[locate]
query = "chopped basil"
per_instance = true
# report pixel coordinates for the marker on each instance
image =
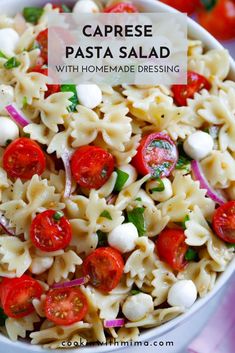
(11, 63)
(106, 214)
(25, 102)
(161, 144)
(3, 317)
(65, 8)
(58, 215)
(102, 239)
(208, 4)
(231, 245)
(2, 55)
(186, 219)
(191, 255)
(161, 169)
(138, 199)
(160, 186)
(136, 216)
(32, 14)
(183, 163)
(122, 177)
(73, 99)
(135, 291)
(8, 142)
(26, 135)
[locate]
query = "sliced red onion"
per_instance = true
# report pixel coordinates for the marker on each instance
(75, 282)
(17, 115)
(68, 175)
(5, 225)
(199, 175)
(114, 323)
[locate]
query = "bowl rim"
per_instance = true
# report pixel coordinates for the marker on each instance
(151, 333)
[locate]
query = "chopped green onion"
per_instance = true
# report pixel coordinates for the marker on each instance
(58, 215)
(122, 177)
(73, 99)
(136, 216)
(191, 255)
(135, 291)
(2, 55)
(160, 186)
(65, 8)
(32, 14)
(11, 63)
(3, 317)
(106, 214)
(102, 239)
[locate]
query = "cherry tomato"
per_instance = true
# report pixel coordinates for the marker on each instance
(224, 222)
(23, 158)
(219, 19)
(51, 89)
(42, 39)
(187, 6)
(171, 248)
(50, 231)
(104, 267)
(65, 306)
(157, 154)
(17, 294)
(61, 8)
(92, 166)
(122, 7)
(195, 84)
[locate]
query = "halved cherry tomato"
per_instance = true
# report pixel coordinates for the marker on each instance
(50, 231)
(195, 84)
(16, 295)
(122, 7)
(23, 158)
(224, 222)
(92, 166)
(219, 18)
(65, 306)
(61, 8)
(157, 154)
(104, 267)
(51, 89)
(42, 39)
(187, 6)
(171, 248)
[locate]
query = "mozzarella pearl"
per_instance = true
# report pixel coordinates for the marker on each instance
(8, 41)
(159, 196)
(8, 130)
(182, 293)
(6, 97)
(131, 171)
(123, 237)
(85, 6)
(89, 95)
(198, 145)
(41, 264)
(136, 307)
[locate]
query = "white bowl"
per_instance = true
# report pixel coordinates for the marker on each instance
(183, 328)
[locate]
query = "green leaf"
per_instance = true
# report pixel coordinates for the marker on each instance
(58, 215)
(32, 14)
(135, 291)
(191, 255)
(2, 55)
(3, 317)
(65, 8)
(106, 214)
(102, 239)
(209, 4)
(231, 245)
(138, 199)
(73, 99)
(122, 177)
(183, 163)
(136, 216)
(11, 63)
(160, 186)
(186, 219)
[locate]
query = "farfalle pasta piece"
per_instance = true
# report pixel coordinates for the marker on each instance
(63, 265)
(163, 279)
(129, 152)
(83, 242)
(15, 254)
(61, 143)
(115, 127)
(18, 327)
(39, 133)
(219, 169)
(219, 253)
(155, 222)
(197, 230)
(112, 101)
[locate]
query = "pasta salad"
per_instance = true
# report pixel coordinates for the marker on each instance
(117, 203)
